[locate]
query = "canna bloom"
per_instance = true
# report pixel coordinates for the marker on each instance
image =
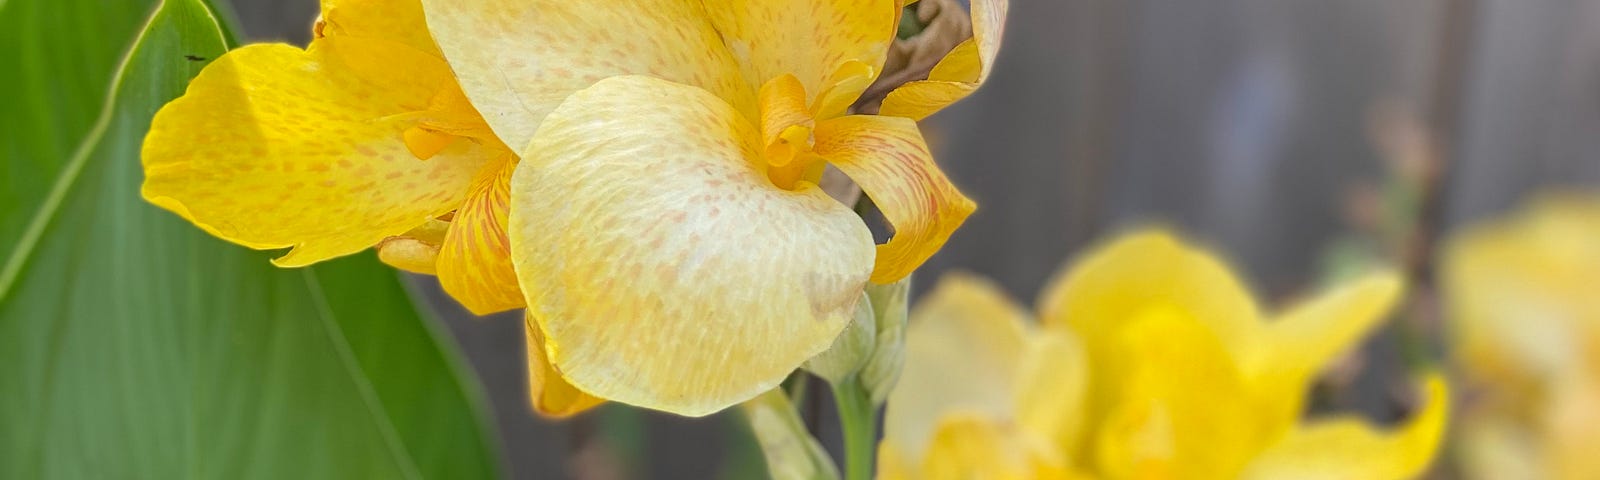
(1148, 360)
(1525, 318)
(640, 176)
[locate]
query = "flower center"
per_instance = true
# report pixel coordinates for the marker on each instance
(786, 133)
(448, 117)
(788, 122)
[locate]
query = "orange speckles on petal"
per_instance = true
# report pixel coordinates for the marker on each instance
(888, 158)
(234, 184)
(475, 264)
(734, 294)
(809, 39)
(518, 59)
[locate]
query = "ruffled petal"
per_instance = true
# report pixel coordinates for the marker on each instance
(888, 158)
(664, 267)
(475, 262)
(960, 73)
(518, 59)
(549, 393)
(275, 147)
(964, 350)
(1351, 448)
(834, 47)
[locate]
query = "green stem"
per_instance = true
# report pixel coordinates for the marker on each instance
(858, 419)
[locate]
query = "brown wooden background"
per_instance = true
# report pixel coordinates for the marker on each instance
(1247, 123)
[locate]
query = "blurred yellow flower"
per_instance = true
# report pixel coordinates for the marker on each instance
(1150, 361)
(642, 176)
(1523, 299)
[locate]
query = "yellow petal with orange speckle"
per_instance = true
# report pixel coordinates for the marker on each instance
(275, 147)
(888, 158)
(518, 59)
(392, 20)
(665, 269)
(549, 393)
(810, 39)
(961, 71)
(965, 346)
(475, 262)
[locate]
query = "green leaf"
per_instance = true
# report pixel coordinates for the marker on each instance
(132, 345)
(57, 57)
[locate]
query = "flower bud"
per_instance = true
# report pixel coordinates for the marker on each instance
(890, 311)
(790, 450)
(851, 350)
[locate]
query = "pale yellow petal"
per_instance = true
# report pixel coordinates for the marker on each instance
(1307, 339)
(1101, 292)
(275, 147)
(549, 393)
(1183, 410)
(960, 73)
(967, 446)
(1520, 295)
(397, 21)
(1351, 448)
(1495, 447)
(1052, 386)
(892, 464)
(475, 262)
(888, 158)
(518, 59)
(664, 267)
(964, 348)
(810, 39)
(1571, 425)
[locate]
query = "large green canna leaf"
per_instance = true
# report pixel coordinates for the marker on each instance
(56, 57)
(132, 345)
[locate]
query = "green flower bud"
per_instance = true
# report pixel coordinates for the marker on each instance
(890, 311)
(851, 350)
(791, 452)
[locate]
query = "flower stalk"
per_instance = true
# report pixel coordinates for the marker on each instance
(858, 420)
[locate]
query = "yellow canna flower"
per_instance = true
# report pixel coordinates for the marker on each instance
(1525, 318)
(641, 176)
(363, 138)
(1149, 360)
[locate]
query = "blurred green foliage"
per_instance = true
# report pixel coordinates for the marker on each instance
(134, 345)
